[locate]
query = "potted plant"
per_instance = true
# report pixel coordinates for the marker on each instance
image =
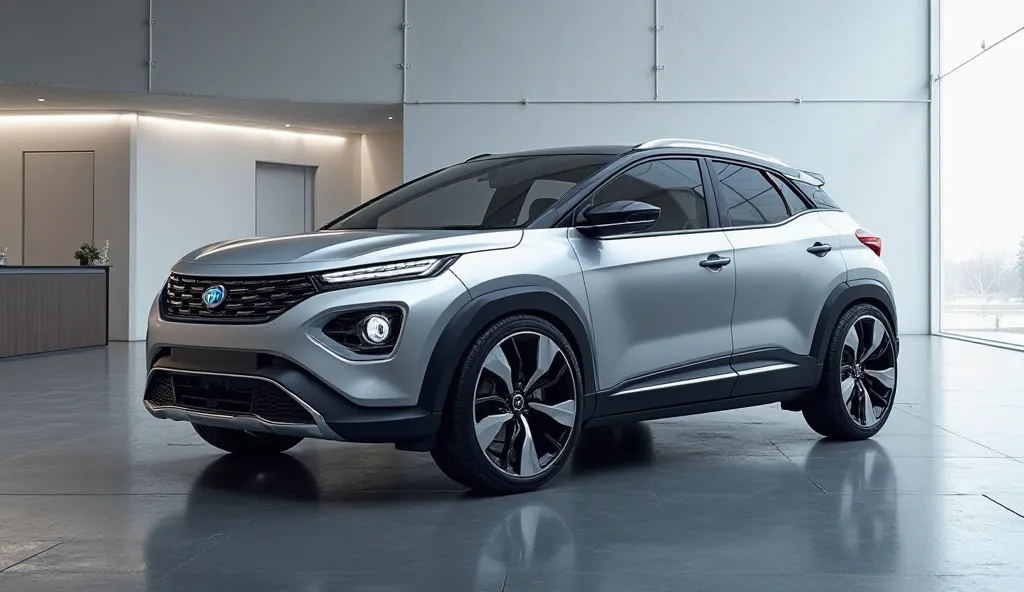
(86, 254)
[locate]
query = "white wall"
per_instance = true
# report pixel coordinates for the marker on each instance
(732, 69)
(108, 136)
(300, 50)
(590, 70)
(381, 163)
(196, 184)
(86, 43)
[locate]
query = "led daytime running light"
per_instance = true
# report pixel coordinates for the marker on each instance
(388, 271)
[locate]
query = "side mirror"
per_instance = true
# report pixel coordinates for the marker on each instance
(616, 217)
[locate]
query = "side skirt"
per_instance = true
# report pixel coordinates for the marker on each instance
(698, 408)
(712, 384)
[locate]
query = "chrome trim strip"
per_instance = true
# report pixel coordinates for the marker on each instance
(237, 422)
(321, 431)
(688, 381)
(700, 379)
(760, 369)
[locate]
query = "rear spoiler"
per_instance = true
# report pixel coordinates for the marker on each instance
(817, 176)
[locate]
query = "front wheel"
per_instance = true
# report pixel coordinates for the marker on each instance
(243, 442)
(513, 414)
(858, 383)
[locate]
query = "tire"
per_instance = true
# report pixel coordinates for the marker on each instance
(547, 414)
(872, 373)
(241, 442)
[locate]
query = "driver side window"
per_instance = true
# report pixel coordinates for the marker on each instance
(674, 185)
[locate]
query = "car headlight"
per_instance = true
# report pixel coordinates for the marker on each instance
(387, 272)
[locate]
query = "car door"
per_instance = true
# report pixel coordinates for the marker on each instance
(660, 300)
(785, 269)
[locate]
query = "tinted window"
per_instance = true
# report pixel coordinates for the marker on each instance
(485, 193)
(674, 185)
(818, 196)
(795, 203)
(749, 196)
(543, 194)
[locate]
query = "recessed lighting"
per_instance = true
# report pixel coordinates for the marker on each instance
(353, 126)
(391, 116)
(41, 100)
(287, 125)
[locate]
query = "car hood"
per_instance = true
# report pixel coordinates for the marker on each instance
(320, 251)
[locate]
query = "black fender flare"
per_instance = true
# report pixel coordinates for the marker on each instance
(842, 296)
(483, 310)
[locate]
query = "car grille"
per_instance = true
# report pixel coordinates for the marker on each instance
(247, 300)
(227, 396)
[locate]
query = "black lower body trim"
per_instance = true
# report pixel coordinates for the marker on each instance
(411, 428)
(698, 408)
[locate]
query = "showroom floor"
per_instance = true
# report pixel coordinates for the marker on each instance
(97, 496)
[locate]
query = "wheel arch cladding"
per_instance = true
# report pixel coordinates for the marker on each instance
(482, 311)
(842, 298)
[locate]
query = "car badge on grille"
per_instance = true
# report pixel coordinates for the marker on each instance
(214, 296)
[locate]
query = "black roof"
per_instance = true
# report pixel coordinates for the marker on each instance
(611, 150)
(694, 147)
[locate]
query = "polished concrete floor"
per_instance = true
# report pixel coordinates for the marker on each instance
(97, 496)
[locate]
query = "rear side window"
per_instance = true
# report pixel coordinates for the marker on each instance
(749, 195)
(795, 202)
(818, 196)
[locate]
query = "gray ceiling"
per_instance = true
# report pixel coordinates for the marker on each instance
(325, 117)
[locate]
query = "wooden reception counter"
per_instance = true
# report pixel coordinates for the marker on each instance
(46, 309)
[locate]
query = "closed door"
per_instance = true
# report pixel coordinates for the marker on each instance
(661, 319)
(284, 199)
(787, 263)
(58, 194)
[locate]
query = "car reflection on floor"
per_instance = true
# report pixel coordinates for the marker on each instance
(285, 533)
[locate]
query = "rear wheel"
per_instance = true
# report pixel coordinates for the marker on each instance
(513, 414)
(243, 442)
(858, 382)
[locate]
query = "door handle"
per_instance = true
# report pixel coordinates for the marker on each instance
(714, 262)
(819, 249)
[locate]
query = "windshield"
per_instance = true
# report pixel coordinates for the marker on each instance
(489, 193)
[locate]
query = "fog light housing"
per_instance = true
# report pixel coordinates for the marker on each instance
(375, 329)
(368, 331)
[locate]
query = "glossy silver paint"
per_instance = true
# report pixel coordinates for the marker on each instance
(653, 306)
(656, 318)
(329, 250)
(780, 286)
(861, 263)
(296, 335)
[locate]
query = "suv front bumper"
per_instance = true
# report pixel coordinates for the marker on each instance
(297, 380)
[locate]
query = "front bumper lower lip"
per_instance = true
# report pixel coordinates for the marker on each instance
(334, 416)
(244, 422)
(238, 422)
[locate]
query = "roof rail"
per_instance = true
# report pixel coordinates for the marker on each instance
(685, 143)
(485, 154)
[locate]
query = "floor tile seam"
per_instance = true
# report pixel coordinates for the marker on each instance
(1002, 505)
(217, 539)
(591, 572)
(65, 390)
(52, 447)
(958, 435)
(54, 494)
(759, 573)
(796, 464)
(32, 556)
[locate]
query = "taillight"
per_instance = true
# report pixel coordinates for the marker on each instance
(870, 241)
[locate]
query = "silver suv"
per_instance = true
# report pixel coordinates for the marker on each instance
(488, 311)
